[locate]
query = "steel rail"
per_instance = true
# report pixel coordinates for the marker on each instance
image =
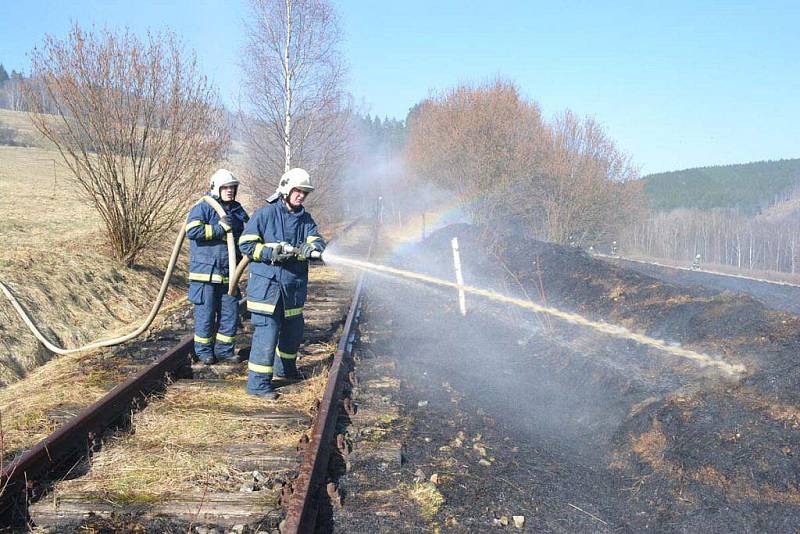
(77, 434)
(301, 515)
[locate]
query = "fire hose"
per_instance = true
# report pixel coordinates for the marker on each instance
(232, 284)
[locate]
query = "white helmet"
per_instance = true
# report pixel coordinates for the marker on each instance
(220, 178)
(295, 178)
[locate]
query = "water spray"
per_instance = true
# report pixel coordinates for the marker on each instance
(702, 360)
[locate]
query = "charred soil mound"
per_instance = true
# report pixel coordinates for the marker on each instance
(717, 453)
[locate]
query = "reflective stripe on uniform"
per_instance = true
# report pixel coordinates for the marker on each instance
(312, 238)
(259, 368)
(249, 237)
(293, 312)
(209, 232)
(260, 307)
(225, 339)
(203, 340)
(204, 277)
(258, 251)
(285, 355)
(193, 224)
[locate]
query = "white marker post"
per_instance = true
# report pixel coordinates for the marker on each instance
(462, 299)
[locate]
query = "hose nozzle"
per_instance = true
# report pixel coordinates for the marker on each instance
(315, 255)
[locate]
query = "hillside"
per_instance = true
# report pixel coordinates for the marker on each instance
(749, 186)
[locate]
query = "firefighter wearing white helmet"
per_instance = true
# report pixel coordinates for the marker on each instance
(223, 178)
(215, 312)
(279, 240)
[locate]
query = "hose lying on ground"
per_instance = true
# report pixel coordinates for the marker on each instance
(156, 305)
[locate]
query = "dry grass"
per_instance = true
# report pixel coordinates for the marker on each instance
(178, 443)
(24, 132)
(66, 384)
(59, 387)
(26, 406)
(740, 489)
(54, 260)
(428, 498)
(650, 446)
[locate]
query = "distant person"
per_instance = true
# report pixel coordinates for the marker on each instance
(279, 239)
(696, 263)
(216, 313)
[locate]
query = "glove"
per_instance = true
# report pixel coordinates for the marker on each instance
(305, 251)
(225, 223)
(280, 254)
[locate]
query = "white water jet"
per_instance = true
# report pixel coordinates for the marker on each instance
(703, 360)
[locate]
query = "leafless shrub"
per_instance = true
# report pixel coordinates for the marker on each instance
(295, 111)
(587, 188)
(476, 142)
(564, 180)
(136, 123)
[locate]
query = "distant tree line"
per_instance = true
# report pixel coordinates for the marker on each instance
(745, 216)
(11, 96)
(748, 187)
(387, 136)
(720, 236)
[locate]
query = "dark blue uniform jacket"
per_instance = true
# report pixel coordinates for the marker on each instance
(269, 226)
(209, 249)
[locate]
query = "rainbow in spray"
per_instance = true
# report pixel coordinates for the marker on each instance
(418, 226)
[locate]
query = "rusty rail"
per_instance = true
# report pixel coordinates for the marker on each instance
(302, 511)
(79, 432)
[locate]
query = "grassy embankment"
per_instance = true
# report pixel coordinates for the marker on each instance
(54, 259)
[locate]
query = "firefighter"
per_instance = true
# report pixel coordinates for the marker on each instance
(279, 240)
(215, 312)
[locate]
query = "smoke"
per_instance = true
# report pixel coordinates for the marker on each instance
(563, 378)
(570, 381)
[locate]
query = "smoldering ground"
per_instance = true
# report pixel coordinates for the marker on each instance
(499, 349)
(604, 403)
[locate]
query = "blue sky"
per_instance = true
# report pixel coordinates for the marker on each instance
(677, 84)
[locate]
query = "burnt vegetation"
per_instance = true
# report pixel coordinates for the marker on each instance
(640, 439)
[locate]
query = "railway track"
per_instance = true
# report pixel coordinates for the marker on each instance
(178, 445)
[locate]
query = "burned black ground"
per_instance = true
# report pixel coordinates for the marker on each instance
(639, 439)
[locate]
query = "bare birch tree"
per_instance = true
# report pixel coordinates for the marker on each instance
(135, 122)
(295, 113)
